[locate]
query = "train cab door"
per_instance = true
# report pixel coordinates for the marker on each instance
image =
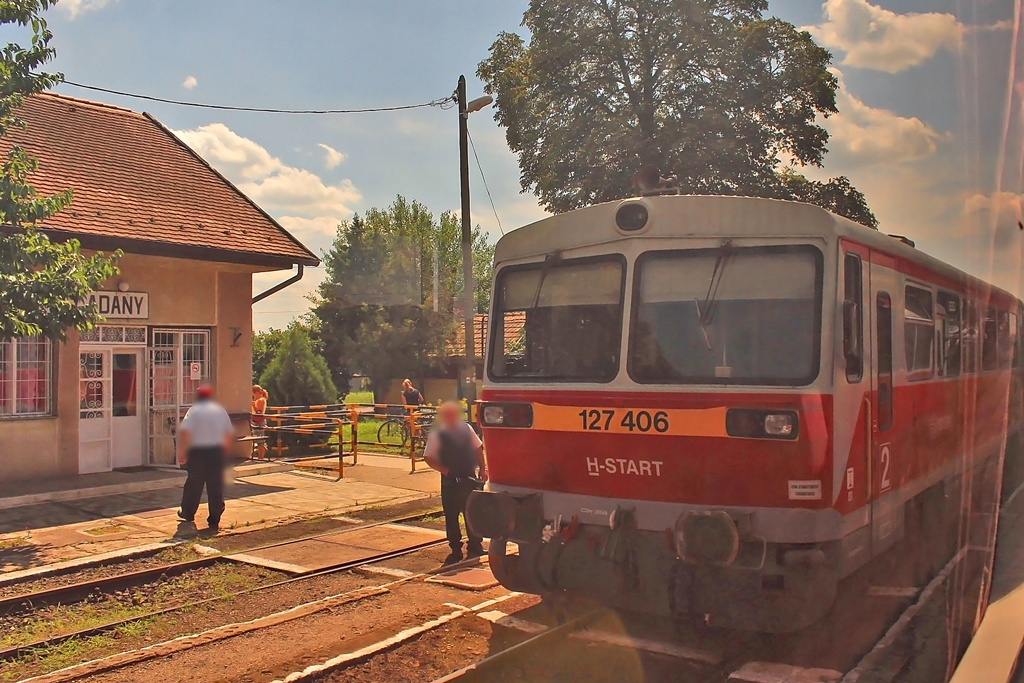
(884, 507)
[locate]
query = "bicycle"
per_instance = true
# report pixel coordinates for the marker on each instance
(392, 427)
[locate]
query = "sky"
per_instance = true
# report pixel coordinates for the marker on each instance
(930, 124)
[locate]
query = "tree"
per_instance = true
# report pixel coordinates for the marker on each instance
(375, 309)
(264, 348)
(298, 375)
(837, 195)
(395, 342)
(42, 283)
(708, 90)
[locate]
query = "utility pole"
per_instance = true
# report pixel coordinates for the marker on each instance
(437, 276)
(469, 377)
(468, 298)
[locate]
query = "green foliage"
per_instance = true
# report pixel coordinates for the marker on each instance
(298, 375)
(42, 283)
(264, 348)
(707, 90)
(837, 195)
(374, 312)
(396, 342)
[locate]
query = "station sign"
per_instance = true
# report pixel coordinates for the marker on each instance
(125, 305)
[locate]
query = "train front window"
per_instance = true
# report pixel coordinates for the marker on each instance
(558, 321)
(727, 316)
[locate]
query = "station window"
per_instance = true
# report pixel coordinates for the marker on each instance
(25, 377)
(949, 334)
(919, 331)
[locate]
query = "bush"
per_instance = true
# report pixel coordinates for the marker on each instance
(297, 375)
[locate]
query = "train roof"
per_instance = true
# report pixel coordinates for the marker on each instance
(675, 216)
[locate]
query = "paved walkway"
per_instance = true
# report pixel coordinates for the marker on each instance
(60, 530)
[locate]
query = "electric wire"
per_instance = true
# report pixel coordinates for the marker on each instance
(484, 178)
(443, 103)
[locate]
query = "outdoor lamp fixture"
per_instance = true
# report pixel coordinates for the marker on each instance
(478, 104)
(122, 286)
(465, 109)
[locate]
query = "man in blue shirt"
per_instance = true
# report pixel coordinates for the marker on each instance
(204, 438)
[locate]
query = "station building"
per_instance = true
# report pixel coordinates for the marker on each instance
(179, 314)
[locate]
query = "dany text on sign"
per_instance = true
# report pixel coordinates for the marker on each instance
(121, 304)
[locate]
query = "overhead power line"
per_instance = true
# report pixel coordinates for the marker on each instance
(443, 103)
(484, 178)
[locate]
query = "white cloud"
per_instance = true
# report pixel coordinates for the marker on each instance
(275, 186)
(236, 157)
(72, 8)
(863, 135)
(332, 157)
(996, 216)
(190, 82)
(877, 38)
(310, 228)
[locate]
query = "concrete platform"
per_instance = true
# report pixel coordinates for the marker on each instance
(82, 526)
(467, 578)
(22, 493)
(304, 557)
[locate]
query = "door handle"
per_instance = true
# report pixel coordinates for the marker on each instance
(868, 449)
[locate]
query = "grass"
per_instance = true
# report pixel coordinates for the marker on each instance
(72, 651)
(367, 434)
(215, 581)
(359, 397)
(13, 542)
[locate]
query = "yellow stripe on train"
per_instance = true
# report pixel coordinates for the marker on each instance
(662, 422)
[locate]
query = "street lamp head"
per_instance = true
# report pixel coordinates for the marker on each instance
(478, 104)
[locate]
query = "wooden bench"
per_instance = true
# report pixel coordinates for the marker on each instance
(254, 440)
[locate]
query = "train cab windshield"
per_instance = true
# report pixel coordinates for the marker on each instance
(727, 316)
(559, 321)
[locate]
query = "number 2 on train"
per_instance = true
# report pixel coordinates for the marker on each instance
(885, 456)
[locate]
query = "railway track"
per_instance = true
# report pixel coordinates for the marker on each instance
(126, 660)
(76, 592)
(487, 667)
(108, 585)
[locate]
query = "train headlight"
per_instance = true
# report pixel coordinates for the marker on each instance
(631, 216)
(779, 424)
(507, 415)
(493, 415)
(762, 424)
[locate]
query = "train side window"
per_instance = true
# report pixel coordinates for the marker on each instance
(990, 340)
(883, 312)
(969, 338)
(919, 331)
(853, 328)
(949, 334)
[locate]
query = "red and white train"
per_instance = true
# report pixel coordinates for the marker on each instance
(720, 406)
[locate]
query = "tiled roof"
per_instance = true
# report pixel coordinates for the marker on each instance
(136, 186)
(514, 323)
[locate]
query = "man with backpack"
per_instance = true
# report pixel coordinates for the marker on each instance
(454, 449)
